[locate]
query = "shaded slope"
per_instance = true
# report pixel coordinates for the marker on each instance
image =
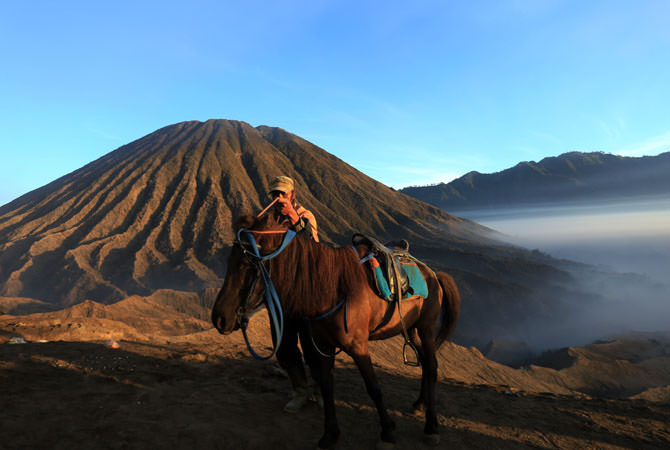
(19, 305)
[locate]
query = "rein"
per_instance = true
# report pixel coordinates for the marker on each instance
(271, 298)
(272, 302)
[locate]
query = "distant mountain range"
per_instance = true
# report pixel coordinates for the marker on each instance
(570, 177)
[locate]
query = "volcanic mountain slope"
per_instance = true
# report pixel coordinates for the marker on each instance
(570, 177)
(158, 212)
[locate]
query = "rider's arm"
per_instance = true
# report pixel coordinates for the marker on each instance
(306, 225)
(303, 226)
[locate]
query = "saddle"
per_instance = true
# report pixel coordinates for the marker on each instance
(403, 276)
(393, 259)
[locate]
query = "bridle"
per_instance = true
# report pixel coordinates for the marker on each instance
(251, 251)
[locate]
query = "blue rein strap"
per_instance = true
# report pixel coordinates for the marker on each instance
(288, 237)
(333, 311)
(272, 302)
(323, 316)
(364, 259)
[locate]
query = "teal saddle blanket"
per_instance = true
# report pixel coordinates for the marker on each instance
(417, 284)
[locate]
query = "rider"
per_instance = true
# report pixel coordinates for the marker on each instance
(302, 222)
(289, 210)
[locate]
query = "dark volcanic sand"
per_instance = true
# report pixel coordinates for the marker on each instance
(76, 395)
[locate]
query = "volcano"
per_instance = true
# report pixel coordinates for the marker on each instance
(157, 213)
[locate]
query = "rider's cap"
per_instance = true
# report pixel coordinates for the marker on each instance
(282, 184)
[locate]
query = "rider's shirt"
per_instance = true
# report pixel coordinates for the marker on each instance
(306, 224)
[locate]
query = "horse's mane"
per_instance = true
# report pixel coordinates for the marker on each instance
(309, 277)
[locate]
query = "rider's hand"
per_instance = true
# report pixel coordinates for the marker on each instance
(285, 208)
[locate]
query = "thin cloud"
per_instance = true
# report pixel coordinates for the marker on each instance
(105, 135)
(398, 176)
(612, 132)
(651, 147)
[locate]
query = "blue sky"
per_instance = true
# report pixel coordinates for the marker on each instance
(407, 92)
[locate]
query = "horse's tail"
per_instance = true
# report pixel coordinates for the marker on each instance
(451, 303)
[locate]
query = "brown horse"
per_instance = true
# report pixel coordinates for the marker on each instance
(314, 280)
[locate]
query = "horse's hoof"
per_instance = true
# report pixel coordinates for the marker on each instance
(328, 441)
(418, 407)
(432, 439)
(383, 445)
(325, 445)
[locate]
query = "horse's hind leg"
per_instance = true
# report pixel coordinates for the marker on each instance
(420, 403)
(312, 358)
(331, 430)
(364, 363)
(428, 382)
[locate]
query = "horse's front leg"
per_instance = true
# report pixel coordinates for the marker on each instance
(361, 356)
(331, 430)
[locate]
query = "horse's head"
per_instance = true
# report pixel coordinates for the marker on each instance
(241, 292)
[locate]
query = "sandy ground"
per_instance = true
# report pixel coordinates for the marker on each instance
(207, 393)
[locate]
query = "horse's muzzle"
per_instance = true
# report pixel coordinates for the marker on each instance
(220, 324)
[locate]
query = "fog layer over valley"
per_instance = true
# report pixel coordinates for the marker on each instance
(625, 248)
(629, 236)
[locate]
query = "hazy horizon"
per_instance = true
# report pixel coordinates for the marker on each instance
(628, 244)
(630, 235)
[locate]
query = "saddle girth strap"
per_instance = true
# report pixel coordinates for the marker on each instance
(390, 309)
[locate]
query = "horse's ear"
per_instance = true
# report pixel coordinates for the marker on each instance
(243, 222)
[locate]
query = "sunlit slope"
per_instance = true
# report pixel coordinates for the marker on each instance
(158, 212)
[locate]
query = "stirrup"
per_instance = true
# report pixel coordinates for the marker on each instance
(417, 360)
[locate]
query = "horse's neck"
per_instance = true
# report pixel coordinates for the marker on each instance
(314, 298)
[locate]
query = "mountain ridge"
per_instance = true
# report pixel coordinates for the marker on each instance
(569, 177)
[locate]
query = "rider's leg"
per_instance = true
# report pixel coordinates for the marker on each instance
(290, 359)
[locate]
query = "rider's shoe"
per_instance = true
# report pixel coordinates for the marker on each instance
(298, 400)
(318, 399)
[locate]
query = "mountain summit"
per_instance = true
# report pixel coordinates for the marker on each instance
(158, 212)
